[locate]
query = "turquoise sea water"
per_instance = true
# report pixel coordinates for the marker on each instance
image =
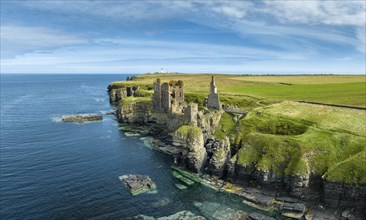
(55, 170)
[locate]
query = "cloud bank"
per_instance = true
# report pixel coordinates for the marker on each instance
(239, 36)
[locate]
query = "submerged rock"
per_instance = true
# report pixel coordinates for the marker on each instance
(183, 178)
(293, 210)
(259, 216)
(162, 202)
(258, 199)
(182, 215)
(181, 186)
(219, 211)
(82, 118)
(240, 215)
(138, 183)
(110, 112)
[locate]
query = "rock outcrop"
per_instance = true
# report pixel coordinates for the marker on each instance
(191, 138)
(182, 215)
(208, 121)
(138, 183)
(115, 95)
(342, 196)
(134, 110)
(82, 118)
(219, 155)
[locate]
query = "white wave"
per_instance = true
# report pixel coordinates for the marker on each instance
(147, 142)
(99, 99)
(57, 119)
(131, 134)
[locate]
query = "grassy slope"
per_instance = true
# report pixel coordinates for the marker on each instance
(295, 138)
(290, 137)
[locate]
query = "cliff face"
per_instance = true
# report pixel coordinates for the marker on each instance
(195, 147)
(115, 95)
(208, 121)
(191, 138)
(134, 110)
(219, 154)
(342, 196)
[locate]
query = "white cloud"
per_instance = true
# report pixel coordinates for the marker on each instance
(361, 36)
(20, 39)
(114, 53)
(280, 30)
(115, 10)
(318, 12)
(231, 9)
(296, 34)
(274, 17)
(303, 12)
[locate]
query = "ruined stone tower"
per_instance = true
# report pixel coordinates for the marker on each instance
(157, 96)
(213, 101)
(165, 97)
(190, 114)
(168, 97)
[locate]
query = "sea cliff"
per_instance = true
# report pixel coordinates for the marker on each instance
(252, 149)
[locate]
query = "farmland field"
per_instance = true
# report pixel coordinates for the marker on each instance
(347, 90)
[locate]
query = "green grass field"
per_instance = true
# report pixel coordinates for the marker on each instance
(331, 89)
(278, 134)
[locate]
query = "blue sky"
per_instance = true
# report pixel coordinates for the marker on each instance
(260, 37)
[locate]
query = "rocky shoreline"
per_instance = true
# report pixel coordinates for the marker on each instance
(187, 133)
(262, 197)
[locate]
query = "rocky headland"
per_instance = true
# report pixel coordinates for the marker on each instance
(215, 142)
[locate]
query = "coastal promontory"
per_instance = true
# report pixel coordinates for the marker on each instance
(232, 129)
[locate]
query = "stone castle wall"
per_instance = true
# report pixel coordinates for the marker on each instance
(165, 98)
(157, 96)
(168, 97)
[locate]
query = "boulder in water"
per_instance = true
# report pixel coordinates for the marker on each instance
(81, 118)
(138, 183)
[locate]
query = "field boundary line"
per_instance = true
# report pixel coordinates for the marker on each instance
(333, 105)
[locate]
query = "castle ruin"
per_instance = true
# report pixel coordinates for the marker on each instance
(168, 97)
(213, 101)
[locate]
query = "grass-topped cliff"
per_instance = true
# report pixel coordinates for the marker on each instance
(279, 134)
(333, 89)
(296, 138)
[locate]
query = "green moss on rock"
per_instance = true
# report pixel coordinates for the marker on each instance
(138, 104)
(189, 131)
(143, 93)
(226, 126)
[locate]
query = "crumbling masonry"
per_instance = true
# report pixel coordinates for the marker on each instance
(213, 101)
(168, 97)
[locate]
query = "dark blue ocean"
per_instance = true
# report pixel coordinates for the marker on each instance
(55, 170)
